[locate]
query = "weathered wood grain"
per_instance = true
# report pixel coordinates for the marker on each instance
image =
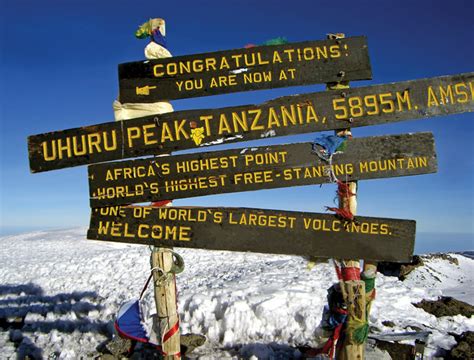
(256, 230)
(321, 111)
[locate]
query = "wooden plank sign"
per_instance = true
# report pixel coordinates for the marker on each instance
(266, 167)
(289, 115)
(262, 67)
(256, 230)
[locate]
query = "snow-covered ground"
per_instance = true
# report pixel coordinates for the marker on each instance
(68, 290)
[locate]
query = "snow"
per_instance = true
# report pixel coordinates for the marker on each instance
(448, 278)
(68, 289)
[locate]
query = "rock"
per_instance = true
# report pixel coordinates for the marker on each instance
(7, 323)
(396, 350)
(118, 346)
(468, 254)
(446, 306)
(464, 349)
(388, 323)
(405, 269)
(191, 341)
(107, 357)
(400, 270)
(372, 352)
(442, 256)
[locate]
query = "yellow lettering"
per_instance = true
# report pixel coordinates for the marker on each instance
(147, 134)
(432, 100)
(156, 71)
(287, 116)
(67, 147)
(103, 227)
(463, 94)
(206, 120)
(240, 123)
(236, 58)
(179, 130)
(132, 133)
(224, 125)
(224, 63)
(217, 217)
(109, 176)
(446, 95)
(403, 98)
(213, 83)
(94, 142)
(166, 133)
(311, 114)
(165, 168)
(272, 118)
(211, 63)
(254, 125)
(261, 61)
(276, 57)
(422, 161)
(75, 146)
(322, 52)
(140, 232)
(46, 156)
(106, 142)
(335, 51)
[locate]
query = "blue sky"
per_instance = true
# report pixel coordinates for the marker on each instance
(59, 70)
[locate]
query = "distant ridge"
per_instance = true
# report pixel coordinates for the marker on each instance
(469, 254)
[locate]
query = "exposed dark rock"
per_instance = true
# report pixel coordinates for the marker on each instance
(388, 323)
(396, 350)
(11, 323)
(191, 341)
(374, 329)
(446, 306)
(442, 256)
(118, 346)
(400, 270)
(108, 357)
(468, 254)
(464, 349)
(405, 269)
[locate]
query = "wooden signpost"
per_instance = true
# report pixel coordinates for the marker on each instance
(352, 288)
(306, 113)
(266, 167)
(256, 230)
(256, 68)
(335, 61)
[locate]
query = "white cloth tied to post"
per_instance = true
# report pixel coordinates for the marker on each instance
(127, 111)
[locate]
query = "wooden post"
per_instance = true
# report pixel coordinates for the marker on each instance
(353, 290)
(161, 259)
(165, 299)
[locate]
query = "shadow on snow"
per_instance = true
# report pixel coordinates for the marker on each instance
(25, 309)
